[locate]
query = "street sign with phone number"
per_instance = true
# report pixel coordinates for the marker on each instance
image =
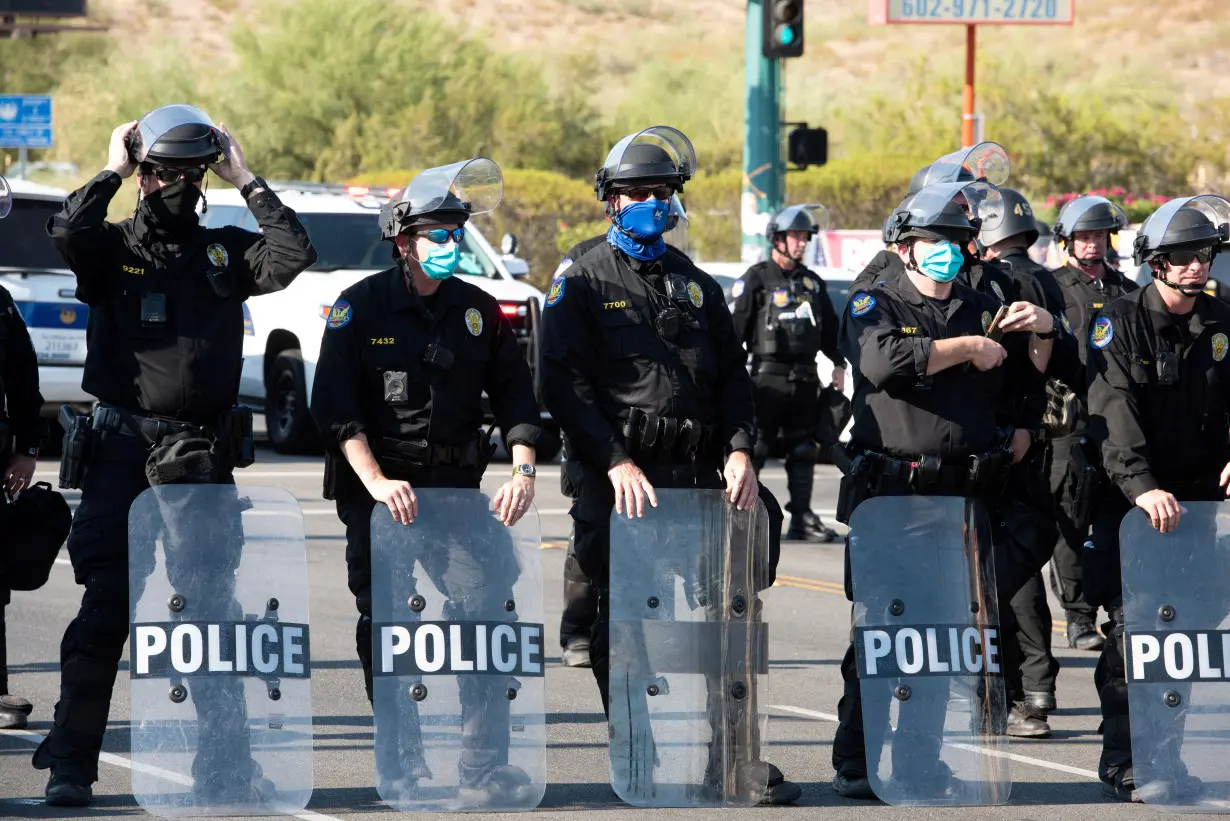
(25, 121)
(994, 12)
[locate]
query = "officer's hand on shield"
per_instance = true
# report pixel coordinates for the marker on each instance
(233, 168)
(514, 498)
(985, 354)
(1025, 316)
(19, 472)
(741, 481)
(1163, 508)
(397, 495)
(631, 486)
(118, 158)
(1225, 478)
(839, 378)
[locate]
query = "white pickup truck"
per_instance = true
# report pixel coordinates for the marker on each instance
(283, 330)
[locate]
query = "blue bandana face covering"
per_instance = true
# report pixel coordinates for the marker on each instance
(441, 261)
(638, 227)
(942, 262)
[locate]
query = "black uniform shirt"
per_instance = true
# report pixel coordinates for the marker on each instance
(378, 327)
(19, 373)
(766, 314)
(1166, 421)
(603, 354)
(1084, 296)
(954, 413)
(1038, 285)
(161, 340)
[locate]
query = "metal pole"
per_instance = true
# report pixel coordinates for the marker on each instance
(23, 157)
(967, 110)
(762, 161)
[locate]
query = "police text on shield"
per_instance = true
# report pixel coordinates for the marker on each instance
(927, 650)
(1187, 655)
(260, 649)
(467, 648)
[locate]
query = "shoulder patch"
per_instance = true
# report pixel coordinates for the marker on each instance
(556, 292)
(736, 290)
(987, 319)
(339, 315)
(217, 255)
(1220, 345)
(862, 304)
(1067, 326)
(999, 292)
(1101, 333)
(564, 265)
(695, 295)
(474, 321)
(809, 283)
(781, 297)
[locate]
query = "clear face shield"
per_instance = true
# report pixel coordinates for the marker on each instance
(986, 161)
(157, 123)
(626, 159)
(677, 226)
(979, 200)
(6, 198)
(476, 185)
(811, 217)
(1153, 232)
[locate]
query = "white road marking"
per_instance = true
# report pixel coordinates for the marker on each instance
(1022, 759)
(157, 772)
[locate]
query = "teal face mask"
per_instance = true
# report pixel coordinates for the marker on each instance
(942, 262)
(441, 261)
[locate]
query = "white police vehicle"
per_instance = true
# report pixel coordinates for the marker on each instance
(42, 287)
(283, 330)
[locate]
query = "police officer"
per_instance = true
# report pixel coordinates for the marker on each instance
(784, 316)
(165, 349)
(580, 598)
(1084, 227)
(1159, 382)
(931, 384)
(406, 357)
(19, 439)
(644, 372)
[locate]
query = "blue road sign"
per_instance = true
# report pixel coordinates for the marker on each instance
(25, 121)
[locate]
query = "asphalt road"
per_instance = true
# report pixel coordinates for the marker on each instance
(1054, 779)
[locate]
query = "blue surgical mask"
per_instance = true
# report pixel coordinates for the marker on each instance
(942, 262)
(441, 261)
(644, 221)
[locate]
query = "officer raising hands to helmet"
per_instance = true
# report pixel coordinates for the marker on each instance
(784, 316)
(165, 350)
(1160, 393)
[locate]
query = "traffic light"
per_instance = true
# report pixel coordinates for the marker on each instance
(783, 29)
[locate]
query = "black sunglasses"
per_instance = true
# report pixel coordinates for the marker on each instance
(662, 193)
(442, 235)
(167, 175)
(1182, 259)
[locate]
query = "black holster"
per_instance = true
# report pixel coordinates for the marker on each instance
(855, 486)
(78, 447)
(1086, 477)
(235, 436)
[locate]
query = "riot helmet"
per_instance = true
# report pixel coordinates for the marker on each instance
(986, 162)
(1018, 221)
(1181, 231)
(1089, 213)
(953, 211)
(449, 194)
(6, 198)
(657, 156)
(178, 135)
(811, 217)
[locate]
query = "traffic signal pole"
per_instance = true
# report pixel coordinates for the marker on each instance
(967, 96)
(762, 156)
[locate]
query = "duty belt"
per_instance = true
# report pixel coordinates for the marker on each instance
(664, 438)
(803, 369)
(980, 473)
(422, 453)
(111, 420)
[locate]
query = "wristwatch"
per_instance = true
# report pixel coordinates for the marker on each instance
(256, 183)
(523, 470)
(1054, 331)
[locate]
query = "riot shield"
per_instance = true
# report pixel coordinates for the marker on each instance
(1177, 656)
(688, 652)
(926, 634)
(220, 651)
(457, 650)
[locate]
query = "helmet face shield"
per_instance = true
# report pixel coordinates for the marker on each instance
(979, 200)
(6, 198)
(459, 190)
(1162, 228)
(986, 162)
(658, 154)
(811, 217)
(1089, 214)
(177, 134)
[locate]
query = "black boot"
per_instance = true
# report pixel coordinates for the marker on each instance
(65, 791)
(1027, 721)
(1083, 635)
(809, 528)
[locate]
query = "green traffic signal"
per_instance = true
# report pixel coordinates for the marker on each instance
(782, 34)
(786, 35)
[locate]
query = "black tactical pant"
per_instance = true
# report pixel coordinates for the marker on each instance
(90, 651)
(1026, 624)
(1017, 558)
(788, 406)
(580, 596)
(1067, 577)
(471, 584)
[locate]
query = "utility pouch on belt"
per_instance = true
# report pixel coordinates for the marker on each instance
(855, 485)
(78, 447)
(1086, 477)
(1062, 409)
(236, 436)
